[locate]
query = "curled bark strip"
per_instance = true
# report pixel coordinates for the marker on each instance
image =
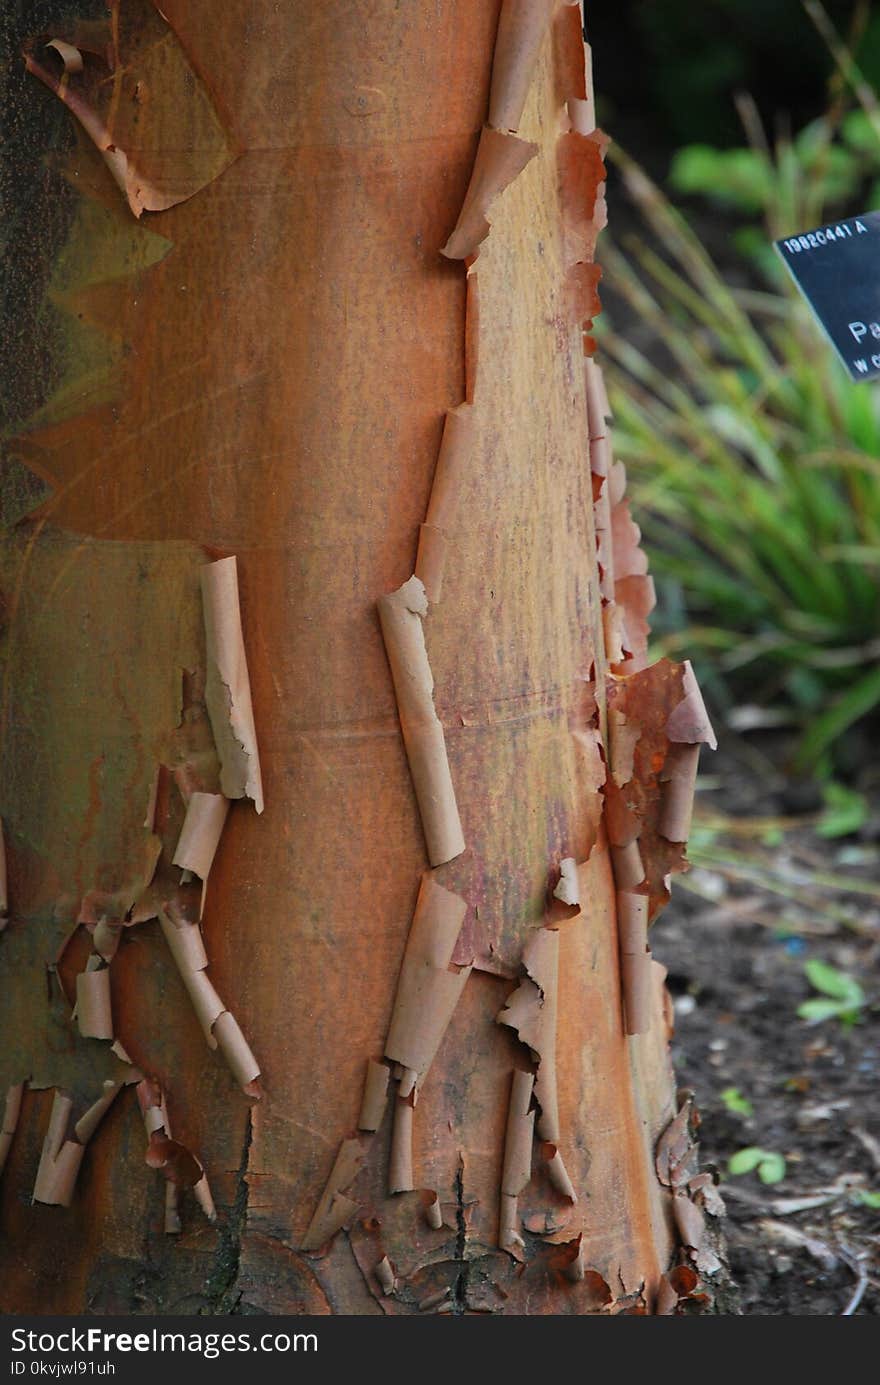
(635, 961)
(93, 1009)
(575, 1267)
(567, 890)
(688, 728)
(221, 1029)
(11, 1113)
(517, 1162)
(433, 1210)
(451, 466)
(676, 1287)
(594, 770)
(440, 519)
(159, 152)
(676, 1149)
(570, 54)
(664, 706)
(703, 1190)
(581, 172)
(581, 117)
(178, 1164)
(557, 1172)
(679, 779)
(630, 559)
(106, 939)
(598, 408)
(600, 466)
(334, 1208)
(385, 1275)
(636, 598)
(627, 589)
(236, 1050)
(400, 1169)
(688, 722)
(401, 615)
(375, 1096)
(228, 688)
(200, 835)
(581, 179)
(500, 158)
(689, 1220)
(65, 1144)
(633, 587)
(667, 1298)
(521, 29)
(427, 991)
(471, 333)
(532, 1010)
(656, 722)
(69, 55)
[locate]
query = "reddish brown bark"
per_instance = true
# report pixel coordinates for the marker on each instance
(262, 370)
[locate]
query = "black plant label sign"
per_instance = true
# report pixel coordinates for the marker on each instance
(837, 269)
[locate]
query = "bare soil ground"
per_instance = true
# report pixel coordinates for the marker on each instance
(765, 895)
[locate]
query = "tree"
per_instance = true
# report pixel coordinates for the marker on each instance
(310, 499)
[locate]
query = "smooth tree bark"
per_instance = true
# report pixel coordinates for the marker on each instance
(337, 794)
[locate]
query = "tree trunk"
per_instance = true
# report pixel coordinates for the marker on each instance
(259, 332)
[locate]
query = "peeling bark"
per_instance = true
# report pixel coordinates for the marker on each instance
(324, 559)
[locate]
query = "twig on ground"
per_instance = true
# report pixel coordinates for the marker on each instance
(789, 1236)
(853, 1262)
(867, 1141)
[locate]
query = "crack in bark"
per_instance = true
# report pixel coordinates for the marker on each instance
(460, 1287)
(222, 1294)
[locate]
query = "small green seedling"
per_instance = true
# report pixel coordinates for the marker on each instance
(769, 1164)
(865, 1198)
(845, 811)
(736, 1103)
(845, 997)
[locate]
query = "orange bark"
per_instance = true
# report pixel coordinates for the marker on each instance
(269, 364)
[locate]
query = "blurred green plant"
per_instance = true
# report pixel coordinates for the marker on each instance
(845, 811)
(770, 1165)
(843, 998)
(755, 466)
(793, 187)
(736, 1103)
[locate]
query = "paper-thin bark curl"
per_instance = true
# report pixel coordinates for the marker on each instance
(440, 518)
(154, 166)
(517, 1167)
(433, 1210)
(220, 1027)
(200, 835)
(228, 688)
(179, 1165)
(500, 158)
(401, 614)
(65, 1144)
(334, 1208)
(93, 1008)
(655, 797)
(532, 1010)
(521, 29)
(427, 991)
(375, 1095)
(400, 1164)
